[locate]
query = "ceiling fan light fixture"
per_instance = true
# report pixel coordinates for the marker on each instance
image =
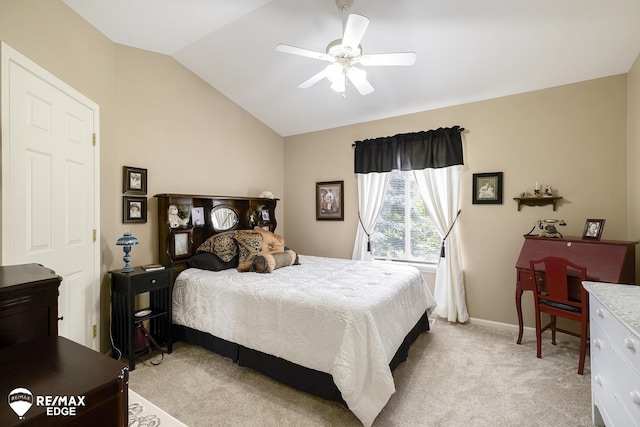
(339, 86)
(335, 73)
(343, 54)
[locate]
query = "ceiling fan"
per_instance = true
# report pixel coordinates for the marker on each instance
(344, 53)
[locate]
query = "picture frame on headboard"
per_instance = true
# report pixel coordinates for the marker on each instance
(181, 243)
(329, 196)
(134, 180)
(134, 210)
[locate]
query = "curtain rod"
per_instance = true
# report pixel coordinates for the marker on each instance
(460, 129)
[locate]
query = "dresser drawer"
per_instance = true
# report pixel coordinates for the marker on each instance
(614, 382)
(609, 404)
(627, 343)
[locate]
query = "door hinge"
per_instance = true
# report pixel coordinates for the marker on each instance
(93, 139)
(94, 234)
(95, 331)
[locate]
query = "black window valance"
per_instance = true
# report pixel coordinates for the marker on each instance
(433, 149)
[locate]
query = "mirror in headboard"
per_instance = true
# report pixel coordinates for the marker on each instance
(224, 218)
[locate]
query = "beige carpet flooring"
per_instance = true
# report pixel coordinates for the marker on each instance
(456, 375)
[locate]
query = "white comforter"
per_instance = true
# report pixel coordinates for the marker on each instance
(346, 318)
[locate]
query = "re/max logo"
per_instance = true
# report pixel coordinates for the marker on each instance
(60, 401)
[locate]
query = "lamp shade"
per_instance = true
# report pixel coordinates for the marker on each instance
(126, 241)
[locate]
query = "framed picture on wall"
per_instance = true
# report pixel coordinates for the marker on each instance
(487, 188)
(329, 197)
(134, 209)
(134, 180)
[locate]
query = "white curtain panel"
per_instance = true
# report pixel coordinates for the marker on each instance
(371, 189)
(440, 190)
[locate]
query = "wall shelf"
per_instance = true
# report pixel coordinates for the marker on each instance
(537, 201)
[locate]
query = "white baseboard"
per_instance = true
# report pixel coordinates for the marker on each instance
(527, 332)
(508, 327)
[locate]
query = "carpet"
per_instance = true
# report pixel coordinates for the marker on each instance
(456, 375)
(143, 413)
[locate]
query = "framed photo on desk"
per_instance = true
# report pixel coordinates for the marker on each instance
(593, 229)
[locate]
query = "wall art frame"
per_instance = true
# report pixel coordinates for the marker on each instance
(134, 209)
(329, 198)
(134, 180)
(487, 188)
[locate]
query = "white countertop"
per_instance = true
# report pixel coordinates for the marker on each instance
(622, 300)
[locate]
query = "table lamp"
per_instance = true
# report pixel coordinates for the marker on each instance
(126, 241)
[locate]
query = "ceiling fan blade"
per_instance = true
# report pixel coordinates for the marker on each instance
(302, 52)
(359, 79)
(314, 79)
(399, 58)
(354, 30)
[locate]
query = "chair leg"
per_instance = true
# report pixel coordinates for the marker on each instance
(553, 330)
(538, 337)
(583, 347)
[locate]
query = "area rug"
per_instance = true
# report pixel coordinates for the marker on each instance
(143, 413)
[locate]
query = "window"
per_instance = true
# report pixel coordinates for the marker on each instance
(403, 230)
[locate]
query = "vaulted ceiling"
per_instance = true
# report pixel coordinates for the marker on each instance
(467, 50)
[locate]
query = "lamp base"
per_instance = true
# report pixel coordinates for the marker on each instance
(126, 258)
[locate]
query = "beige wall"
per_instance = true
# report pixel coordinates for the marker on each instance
(154, 114)
(572, 137)
(633, 155)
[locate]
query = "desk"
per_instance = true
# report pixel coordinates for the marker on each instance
(611, 261)
(56, 366)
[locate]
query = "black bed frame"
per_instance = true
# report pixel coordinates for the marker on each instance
(289, 373)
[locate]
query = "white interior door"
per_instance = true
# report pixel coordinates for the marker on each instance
(50, 187)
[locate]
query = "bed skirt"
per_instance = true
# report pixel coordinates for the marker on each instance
(304, 379)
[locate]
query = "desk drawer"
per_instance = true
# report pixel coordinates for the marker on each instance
(151, 281)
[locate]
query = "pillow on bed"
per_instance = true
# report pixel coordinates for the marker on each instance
(249, 245)
(266, 263)
(297, 261)
(222, 244)
(209, 261)
(271, 242)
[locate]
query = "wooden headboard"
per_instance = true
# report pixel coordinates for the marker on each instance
(177, 244)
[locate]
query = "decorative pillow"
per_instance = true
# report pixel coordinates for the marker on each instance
(222, 244)
(209, 261)
(266, 263)
(271, 242)
(297, 261)
(249, 245)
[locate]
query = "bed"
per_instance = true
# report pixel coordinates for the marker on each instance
(332, 327)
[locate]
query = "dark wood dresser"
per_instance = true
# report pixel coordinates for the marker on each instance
(28, 303)
(612, 261)
(94, 386)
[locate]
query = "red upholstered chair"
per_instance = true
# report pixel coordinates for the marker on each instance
(554, 300)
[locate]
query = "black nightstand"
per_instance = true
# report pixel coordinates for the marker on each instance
(124, 288)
